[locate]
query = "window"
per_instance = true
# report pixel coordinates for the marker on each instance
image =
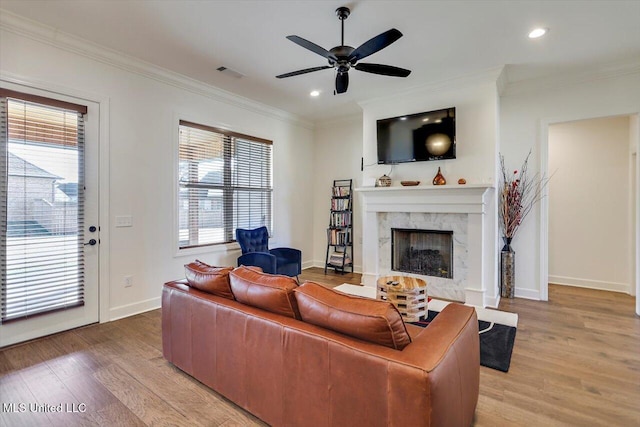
(224, 183)
(41, 221)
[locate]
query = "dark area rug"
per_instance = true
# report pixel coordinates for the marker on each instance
(496, 342)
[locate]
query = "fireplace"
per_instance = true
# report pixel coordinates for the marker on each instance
(426, 252)
(467, 210)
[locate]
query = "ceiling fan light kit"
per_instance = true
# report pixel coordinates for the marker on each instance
(342, 58)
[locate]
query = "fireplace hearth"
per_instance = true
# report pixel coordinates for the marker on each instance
(425, 252)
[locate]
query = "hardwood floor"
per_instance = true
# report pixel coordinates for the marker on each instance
(576, 361)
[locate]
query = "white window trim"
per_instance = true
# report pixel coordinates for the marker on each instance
(218, 248)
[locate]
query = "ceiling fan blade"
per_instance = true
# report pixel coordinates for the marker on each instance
(385, 70)
(312, 47)
(377, 43)
(305, 71)
(342, 82)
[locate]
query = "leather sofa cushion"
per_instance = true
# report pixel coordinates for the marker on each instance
(207, 278)
(370, 320)
(271, 292)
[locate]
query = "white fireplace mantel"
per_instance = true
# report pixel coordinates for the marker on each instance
(426, 198)
(443, 199)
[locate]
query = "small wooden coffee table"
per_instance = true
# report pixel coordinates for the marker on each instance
(408, 294)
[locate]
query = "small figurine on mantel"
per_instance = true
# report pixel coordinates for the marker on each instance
(383, 181)
(439, 178)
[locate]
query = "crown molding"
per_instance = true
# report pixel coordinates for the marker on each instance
(39, 32)
(489, 76)
(502, 81)
(595, 73)
(337, 121)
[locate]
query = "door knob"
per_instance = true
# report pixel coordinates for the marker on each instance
(91, 242)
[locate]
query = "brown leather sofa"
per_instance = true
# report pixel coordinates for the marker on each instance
(256, 350)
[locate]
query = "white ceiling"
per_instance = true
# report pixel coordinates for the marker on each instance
(442, 39)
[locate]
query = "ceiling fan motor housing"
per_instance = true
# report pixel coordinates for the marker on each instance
(342, 58)
(342, 53)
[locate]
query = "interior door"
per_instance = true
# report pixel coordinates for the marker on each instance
(49, 229)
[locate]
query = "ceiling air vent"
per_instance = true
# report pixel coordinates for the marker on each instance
(230, 72)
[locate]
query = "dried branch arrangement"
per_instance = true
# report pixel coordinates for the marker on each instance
(518, 194)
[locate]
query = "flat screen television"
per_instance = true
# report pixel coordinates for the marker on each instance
(417, 137)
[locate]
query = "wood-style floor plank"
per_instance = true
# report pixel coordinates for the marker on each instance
(50, 390)
(117, 414)
(15, 391)
(576, 362)
(142, 401)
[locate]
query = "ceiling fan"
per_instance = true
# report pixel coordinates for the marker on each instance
(343, 58)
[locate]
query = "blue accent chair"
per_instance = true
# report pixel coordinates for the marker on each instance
(256, 252)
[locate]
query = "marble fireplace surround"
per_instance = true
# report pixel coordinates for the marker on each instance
(447, 207)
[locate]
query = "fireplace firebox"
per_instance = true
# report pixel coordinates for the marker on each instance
(426, 252)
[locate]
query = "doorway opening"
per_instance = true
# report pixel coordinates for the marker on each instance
(589, 231)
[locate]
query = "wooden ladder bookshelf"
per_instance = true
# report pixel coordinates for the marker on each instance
(340, 231)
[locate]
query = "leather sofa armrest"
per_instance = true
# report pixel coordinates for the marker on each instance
(264, 260)
(180, 283)
(449, 351)
(432, 344)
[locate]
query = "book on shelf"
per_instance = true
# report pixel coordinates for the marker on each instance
(340, 219)
(339, 237)
(340, 204)
(335, 258)
(341, 191)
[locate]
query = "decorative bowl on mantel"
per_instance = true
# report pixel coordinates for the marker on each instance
(409, 183)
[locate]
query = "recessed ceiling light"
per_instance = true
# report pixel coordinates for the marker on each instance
(538, 32)
(425, 120)
(439, 121)
(315, 93)
(403, 118)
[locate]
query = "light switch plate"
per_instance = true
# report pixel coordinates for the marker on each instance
(124, 221)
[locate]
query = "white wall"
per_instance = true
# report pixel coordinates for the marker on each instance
(336, 155)
(525, 114)
(143, 110)
(589, 206)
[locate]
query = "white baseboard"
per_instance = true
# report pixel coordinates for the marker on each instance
(122, 311)
(591, 284)
(492, 302)
(320, 264)
(474, 297)
(308, 264)
(533, 294)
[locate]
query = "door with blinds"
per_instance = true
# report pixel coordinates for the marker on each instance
(49, 232)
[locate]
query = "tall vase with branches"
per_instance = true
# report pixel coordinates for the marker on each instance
(518, 194)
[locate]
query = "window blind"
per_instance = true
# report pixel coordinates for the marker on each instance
(42, 188)
(225, 182)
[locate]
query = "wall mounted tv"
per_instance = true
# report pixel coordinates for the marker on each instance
(417, 137)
